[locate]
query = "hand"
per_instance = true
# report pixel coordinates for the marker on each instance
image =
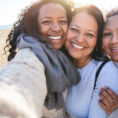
(108, 100)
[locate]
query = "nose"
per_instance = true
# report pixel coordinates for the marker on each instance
(55, 27)
(80, 37)
(115, 38)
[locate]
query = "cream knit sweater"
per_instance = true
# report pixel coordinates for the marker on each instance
(23, 88)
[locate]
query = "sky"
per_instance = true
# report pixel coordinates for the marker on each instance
(9, 9)
(104, 5)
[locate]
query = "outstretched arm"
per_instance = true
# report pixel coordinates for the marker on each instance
(22, 86)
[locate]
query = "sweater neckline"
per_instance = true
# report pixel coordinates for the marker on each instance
(85, 67)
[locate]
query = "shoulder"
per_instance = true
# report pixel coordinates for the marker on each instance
(27, 56)
(109, 68)
(108, 77)
(23, 79)
(24, 65)
(24, 54)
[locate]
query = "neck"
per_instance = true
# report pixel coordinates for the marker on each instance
(80, 63)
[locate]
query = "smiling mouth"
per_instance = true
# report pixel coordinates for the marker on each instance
(54, 37)
(114, 49)
(78, 47)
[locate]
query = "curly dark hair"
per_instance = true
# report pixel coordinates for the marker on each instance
(27, 23)
(98, 53)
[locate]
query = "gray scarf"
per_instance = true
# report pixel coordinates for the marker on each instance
(59, 70)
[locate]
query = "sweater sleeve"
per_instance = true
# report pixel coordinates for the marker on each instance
(107, 77)
(22, 86)
(114, 114)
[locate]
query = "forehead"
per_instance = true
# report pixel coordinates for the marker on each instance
(51, 9)
(112, 22)
(83, 19)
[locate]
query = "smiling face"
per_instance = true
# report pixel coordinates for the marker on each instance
(53, 24)
(110, 37)
(81, 37)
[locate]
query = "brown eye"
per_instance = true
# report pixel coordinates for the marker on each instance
(46, 22)
(107, 34)
(63, 22)
(74, 30)
(90, 35)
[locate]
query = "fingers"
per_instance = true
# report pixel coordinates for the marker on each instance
(104, 107)
(111, 93)
(104, 95)
(105, 101)
(108, 100)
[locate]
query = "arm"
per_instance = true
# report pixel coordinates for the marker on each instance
(108, 100)
(114, 114)
(23, 86)
(107, 77)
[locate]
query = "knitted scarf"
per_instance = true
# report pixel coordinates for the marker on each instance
(59, 70)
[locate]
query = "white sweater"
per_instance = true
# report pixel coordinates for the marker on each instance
(23, 88)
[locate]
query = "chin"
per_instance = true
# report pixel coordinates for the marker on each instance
(115, 58)
(74, 56)
(58, 47)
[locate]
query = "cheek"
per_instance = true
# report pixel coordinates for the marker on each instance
(69, 35)
(105, 44)
(65, 28)
(67, 39)
(66, 43)
(92, 43)
(43, 30)
(106, 47)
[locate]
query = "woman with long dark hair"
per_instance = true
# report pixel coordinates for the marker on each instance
(84, 44)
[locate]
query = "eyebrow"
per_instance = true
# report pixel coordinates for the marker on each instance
(109, 29)
(63, 17)
(46, 17)
(92, 31)
(75, 26)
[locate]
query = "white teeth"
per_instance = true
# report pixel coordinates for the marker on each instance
(54, 37)
(114, 48)
(79, 47)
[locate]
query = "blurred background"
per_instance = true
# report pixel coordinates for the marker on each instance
(10, 9)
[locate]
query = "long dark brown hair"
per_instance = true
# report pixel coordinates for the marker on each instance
(27, 23)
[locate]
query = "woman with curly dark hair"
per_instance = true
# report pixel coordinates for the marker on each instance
(27, 24)
(33, 82)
